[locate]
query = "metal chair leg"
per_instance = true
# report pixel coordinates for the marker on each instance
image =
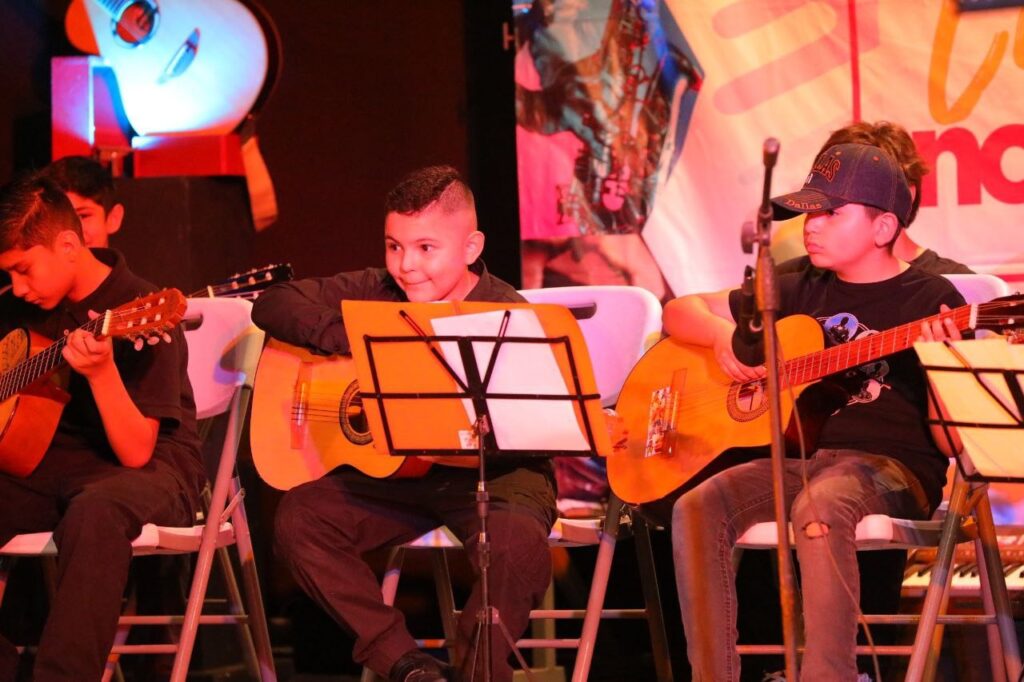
(652, 600)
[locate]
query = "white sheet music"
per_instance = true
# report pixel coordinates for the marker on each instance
(520, 368)
(993, 452)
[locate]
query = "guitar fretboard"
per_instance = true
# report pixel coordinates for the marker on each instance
(31, 369)
(814, 366)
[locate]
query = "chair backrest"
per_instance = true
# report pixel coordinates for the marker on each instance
(223, 350)
(980, 288)
(618, 323)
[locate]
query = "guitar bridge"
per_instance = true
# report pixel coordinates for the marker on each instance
(661, 421)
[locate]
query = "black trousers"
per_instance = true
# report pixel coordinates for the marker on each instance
(323, 528)
(95, 509)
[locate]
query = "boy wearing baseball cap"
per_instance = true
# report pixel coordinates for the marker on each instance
(874, 452)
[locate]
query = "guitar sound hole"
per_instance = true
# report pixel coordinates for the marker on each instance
(136, 23)
(747, 401)
(351, 417)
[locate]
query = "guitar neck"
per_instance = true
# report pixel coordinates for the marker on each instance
(814, 366)
(31, 369)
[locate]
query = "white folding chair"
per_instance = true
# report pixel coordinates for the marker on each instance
(224, 348)
(618, 324)
(967, 517)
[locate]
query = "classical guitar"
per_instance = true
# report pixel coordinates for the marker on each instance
(248, 285)
(31, 399)
(194, 66)
(682, 411)
(307, 419)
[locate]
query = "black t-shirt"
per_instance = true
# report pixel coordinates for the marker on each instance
(887, 405)
(156, 377)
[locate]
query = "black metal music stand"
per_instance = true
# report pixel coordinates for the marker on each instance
(978, 401)
(385, 398)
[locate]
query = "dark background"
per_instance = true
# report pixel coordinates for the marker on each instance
(367, 91)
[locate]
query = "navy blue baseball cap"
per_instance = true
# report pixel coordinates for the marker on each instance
(850, 174)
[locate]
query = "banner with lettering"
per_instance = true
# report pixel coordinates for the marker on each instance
(640, 126)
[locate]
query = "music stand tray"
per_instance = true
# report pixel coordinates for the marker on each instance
(427, 370)
(980, 384)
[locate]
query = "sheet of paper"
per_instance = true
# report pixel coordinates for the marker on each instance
(994, 452)
(520, 368)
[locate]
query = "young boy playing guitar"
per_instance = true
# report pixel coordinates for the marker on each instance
(874, 454)
(125, 451)
(323, 527)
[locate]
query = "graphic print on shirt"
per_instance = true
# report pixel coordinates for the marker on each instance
(865, 382)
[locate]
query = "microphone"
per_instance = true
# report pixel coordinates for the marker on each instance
(746, 341)
(765, 213)
(771, 152)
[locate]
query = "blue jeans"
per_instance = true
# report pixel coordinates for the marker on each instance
(844, 486)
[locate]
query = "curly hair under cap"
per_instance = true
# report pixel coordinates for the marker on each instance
(895, 141)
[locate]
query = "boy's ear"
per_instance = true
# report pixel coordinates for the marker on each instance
(114, 217)
(886, 227)
(474, 246)
(67, 243)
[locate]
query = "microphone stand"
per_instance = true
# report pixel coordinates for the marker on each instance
(767, 297)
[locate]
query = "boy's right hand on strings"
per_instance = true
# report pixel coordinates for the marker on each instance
(727, 360)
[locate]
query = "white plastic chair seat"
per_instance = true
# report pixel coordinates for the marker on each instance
(153, 539)
(875, 531)
(564, 533)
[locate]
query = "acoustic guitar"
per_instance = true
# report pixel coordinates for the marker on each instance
(307, 419)
(31, 397)
(182, 66)
(682, 411)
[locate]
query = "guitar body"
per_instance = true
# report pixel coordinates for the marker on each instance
(193, 66)
(28, 419)
(681, 412)
(307, 420)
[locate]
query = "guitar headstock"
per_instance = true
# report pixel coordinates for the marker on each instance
(147, 318)
(1005, 314)
(249, 284)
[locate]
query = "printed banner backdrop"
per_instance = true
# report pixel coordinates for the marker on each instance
(641, 125)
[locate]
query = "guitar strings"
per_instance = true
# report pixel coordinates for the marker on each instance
(32, 368)
(808, 368)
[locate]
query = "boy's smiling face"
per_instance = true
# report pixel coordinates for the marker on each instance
(429, 253)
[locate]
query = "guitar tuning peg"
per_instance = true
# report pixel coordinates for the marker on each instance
(138, 343)
(153, 340)
(166, 337)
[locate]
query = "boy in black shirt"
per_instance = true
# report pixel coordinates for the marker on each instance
(875, 454)
(125, 452)
(323, 527)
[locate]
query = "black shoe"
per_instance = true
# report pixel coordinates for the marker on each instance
(416, 666)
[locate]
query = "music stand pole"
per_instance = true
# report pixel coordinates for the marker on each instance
(767, 297)
(483, 549)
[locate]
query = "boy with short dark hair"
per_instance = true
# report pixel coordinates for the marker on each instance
(432, 253)
(125, 452)
(89, 186)
(874, 455)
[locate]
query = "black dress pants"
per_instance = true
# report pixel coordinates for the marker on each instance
(324, 527)
(95, 509)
